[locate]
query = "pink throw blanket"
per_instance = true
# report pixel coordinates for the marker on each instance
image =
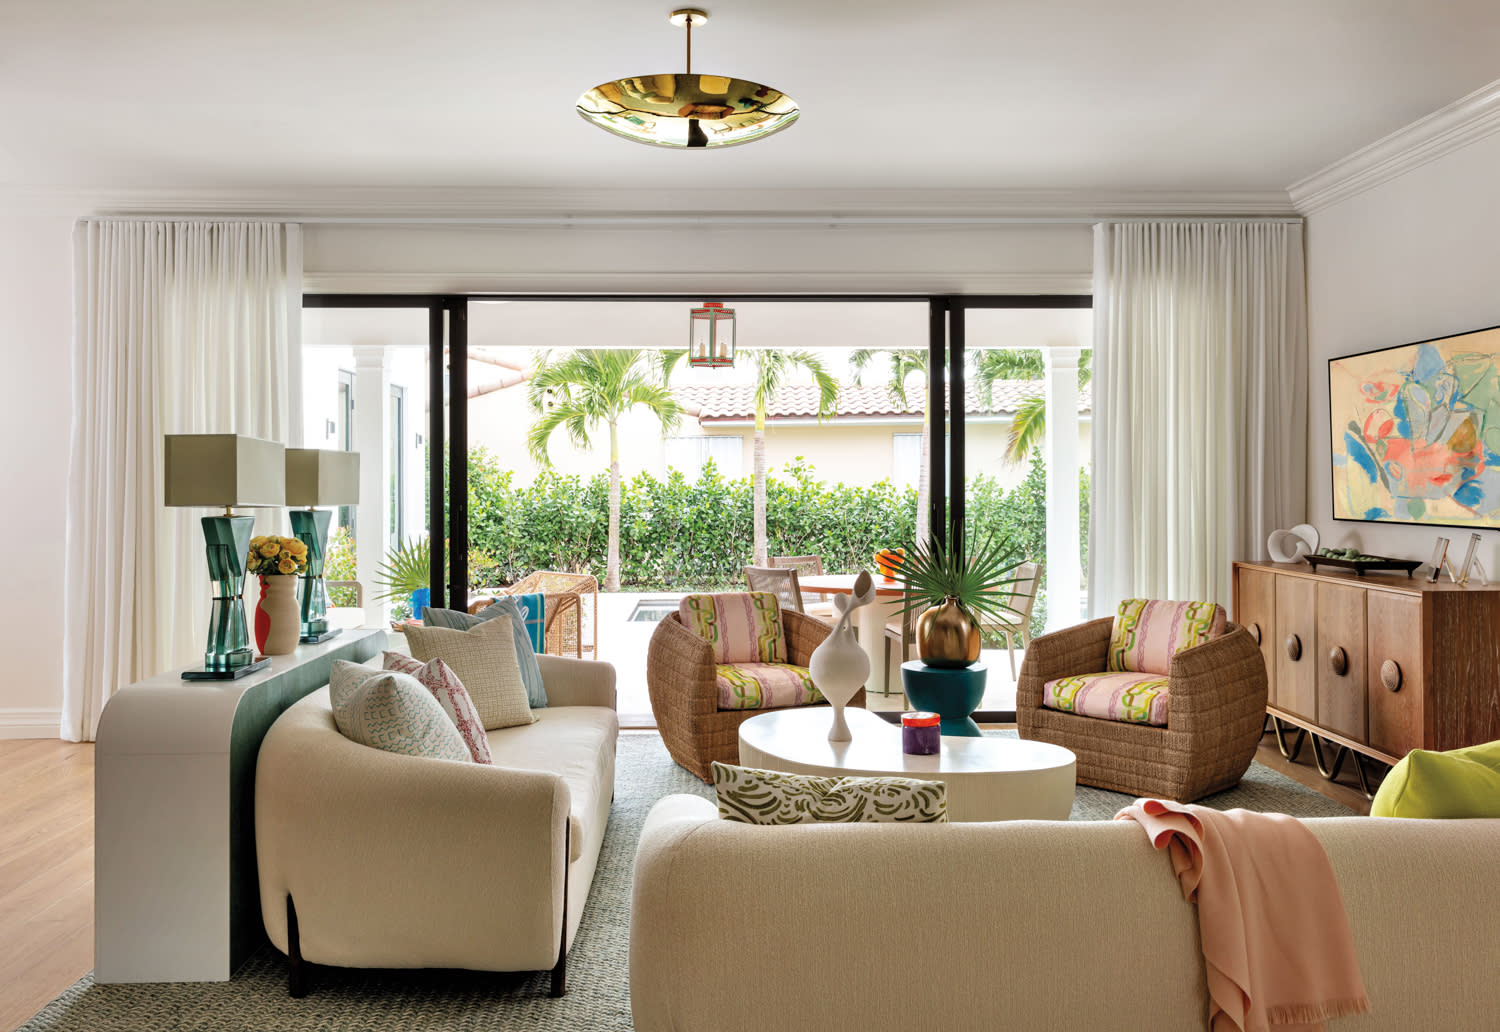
(1276, 940)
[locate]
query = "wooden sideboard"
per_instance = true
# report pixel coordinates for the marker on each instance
(1380, 664)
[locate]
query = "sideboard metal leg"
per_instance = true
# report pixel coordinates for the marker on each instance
(1340, 752)
(1293, 751)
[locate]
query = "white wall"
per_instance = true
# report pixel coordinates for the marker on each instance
(1414, 258)
(36, 320)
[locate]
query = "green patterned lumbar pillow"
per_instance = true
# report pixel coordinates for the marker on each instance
(769, 797)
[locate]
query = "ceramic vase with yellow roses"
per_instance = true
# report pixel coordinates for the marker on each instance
(277, 561)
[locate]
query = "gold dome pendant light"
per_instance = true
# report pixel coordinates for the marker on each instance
(688, 110)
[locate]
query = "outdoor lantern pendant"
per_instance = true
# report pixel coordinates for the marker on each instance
(688, 110)
(711, 336)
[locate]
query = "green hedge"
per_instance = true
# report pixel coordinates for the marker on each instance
(680, 535)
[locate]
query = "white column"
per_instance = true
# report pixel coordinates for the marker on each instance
(1064, 562)
(372, 520)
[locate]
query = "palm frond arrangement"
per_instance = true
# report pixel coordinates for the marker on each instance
(934, 571)
(407, 568)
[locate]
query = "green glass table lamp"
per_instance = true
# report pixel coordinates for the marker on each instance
(226, 471)
(314, 478)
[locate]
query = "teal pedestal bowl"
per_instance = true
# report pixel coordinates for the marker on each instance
(953, 695)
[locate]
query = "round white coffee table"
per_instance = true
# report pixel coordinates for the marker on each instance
(989, 779)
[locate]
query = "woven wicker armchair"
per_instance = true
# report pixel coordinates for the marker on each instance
(681, 679)
(577, 633)
(564, 617)
(1214, 722)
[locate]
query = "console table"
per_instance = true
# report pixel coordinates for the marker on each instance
(175, 891)
(1377, 665)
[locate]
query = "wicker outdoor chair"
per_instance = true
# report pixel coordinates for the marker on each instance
(1022, 598)
(814, 603)
(578, 635)
(564, 615)
(681, 678)
(1217, 693)
(779, 581)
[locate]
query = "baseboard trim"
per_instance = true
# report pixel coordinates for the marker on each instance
(16, 722)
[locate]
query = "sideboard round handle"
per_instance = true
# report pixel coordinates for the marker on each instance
(1338, 660)
(1390, 675)
(1293, 647)
(1255, 632)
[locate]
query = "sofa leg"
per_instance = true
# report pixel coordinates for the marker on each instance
(560, 969)
(296, 974)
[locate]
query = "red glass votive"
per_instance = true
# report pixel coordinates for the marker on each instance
(921, 734)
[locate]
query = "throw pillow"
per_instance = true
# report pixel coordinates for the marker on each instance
(389, 710)
(743, 628)
(485, 661)
(1460, 783)
(1148, 633)
(522, 614)
(753, 796)
(451, 694)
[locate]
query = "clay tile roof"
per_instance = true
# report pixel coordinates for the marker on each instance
(737, 401)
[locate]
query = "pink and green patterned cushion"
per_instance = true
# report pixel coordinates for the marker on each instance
(1131, 697)
(439, 679)
(747, 686)
(743, 628)
(1148, 633)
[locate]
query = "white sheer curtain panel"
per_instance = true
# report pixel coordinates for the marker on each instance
(179, 327)
(1200, 404)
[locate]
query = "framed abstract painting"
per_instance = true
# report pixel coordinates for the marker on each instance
(1415, 432)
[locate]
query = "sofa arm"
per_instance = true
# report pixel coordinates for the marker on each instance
(577, 682)
(388, 858)
(1218, 684)
(1076, 650)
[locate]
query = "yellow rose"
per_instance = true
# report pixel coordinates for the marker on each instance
(270, 549)
(296, 547)
(287, 565)
(254, 564)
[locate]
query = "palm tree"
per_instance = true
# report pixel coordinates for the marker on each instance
(585, 387)
(904, 362)
(1030, 424)
(771, 368)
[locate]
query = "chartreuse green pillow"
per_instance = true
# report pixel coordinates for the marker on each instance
(1460, 783)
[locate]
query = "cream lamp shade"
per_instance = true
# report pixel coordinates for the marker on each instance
(224, 471)
(319, 477)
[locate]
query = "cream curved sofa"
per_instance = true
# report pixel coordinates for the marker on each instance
(371, 859)
(1025, 925)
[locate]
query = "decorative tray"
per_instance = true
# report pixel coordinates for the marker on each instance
(1360, 566)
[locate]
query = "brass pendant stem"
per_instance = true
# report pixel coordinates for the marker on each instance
(690, 46)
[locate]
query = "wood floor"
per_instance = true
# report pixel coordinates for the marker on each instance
(47, 864)
(46, 873)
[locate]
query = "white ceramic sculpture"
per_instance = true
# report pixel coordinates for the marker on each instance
(839, 667)
(1289, 546)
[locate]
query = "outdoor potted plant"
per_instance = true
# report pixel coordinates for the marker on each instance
(953, 589)
(405, 575)
(278, 562)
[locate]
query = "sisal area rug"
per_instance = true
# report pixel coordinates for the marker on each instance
(598, 998)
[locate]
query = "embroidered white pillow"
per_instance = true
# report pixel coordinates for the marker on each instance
(450, 693)
(389, 710)
(485, 661)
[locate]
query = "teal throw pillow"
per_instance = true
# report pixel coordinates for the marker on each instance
(1459, 783)
(531, 673)
(752, 796)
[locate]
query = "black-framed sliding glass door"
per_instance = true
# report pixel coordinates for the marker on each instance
(651, 508)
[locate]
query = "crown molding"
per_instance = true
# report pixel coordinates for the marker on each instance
(1444, 131)
(635, 207)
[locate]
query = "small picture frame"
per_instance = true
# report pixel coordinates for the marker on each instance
(1470, 558)
(1439, 554)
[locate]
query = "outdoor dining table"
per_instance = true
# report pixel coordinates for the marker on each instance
(870, 621)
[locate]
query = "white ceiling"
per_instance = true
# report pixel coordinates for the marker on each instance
(1168, 95)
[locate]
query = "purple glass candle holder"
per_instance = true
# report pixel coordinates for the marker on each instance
(921, 734)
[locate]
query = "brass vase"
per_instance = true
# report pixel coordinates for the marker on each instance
(946, 637)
